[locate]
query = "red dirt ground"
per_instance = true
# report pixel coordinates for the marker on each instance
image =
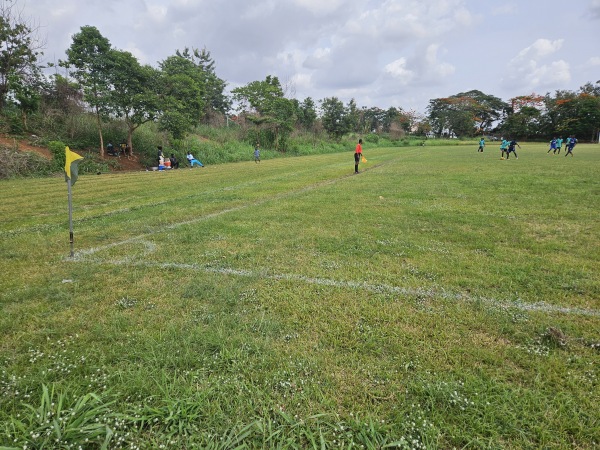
(24, 146)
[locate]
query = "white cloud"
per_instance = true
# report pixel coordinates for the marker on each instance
(398, 71)
(594, 61)
(437, 69)
(385, 52)
(529, 70)
(539, 49)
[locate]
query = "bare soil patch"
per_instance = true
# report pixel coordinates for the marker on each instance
(24, 145)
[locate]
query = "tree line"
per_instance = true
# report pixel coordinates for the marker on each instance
(524, 117)
(183, 91)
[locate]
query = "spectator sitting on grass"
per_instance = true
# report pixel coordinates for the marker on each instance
(193, 160)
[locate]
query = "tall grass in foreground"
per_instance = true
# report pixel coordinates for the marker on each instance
(441, 298)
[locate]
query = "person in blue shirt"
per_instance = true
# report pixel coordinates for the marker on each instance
(559, 142)
(552, 146)
(511, 148)
(257, 154)
(481, 145)
(571, 145)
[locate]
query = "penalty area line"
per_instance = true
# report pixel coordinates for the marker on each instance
(354, 285)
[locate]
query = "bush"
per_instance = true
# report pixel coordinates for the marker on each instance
(57, 148)
(372, 138)
(21, 164)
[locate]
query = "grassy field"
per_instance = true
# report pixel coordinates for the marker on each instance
(442, 298)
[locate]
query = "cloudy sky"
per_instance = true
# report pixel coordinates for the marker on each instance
(382, 53)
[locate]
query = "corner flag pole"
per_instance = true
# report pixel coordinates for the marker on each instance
(70, 217)
(71, 171)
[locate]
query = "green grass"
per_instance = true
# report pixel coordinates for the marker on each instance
(440, 299)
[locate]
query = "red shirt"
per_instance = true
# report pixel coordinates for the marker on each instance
(358, 149)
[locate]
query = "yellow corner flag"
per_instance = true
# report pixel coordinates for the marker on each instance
(71, 162)
(364, 159)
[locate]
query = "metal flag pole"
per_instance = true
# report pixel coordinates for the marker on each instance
(70, 216)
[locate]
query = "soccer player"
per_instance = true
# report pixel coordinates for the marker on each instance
(504, 148)
(572, 143)
(511, 148)
(481, 145)
(552, 146)
(559, 142)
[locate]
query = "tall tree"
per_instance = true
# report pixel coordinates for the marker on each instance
(215, 98)
(183, 93)
(573, 113)
(27, 94)
(264, 105)
(452, 115)
(89, 60)
(524, 124)
(524, 119)
(333, 115)
(134, 95)
(486, 109)
(466, 113)
(199, 69)
(61, 103)
(353, 117)
(389, 117)
(307, 113)
(257, 95)
(20, 48)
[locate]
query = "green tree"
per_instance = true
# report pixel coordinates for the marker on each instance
(61, 103)
(198, 67)
(333, 114)
(523, 124)
(575, 113)
(466, 113)
(20, 48)
(215, 98)
(307, 113)
(89, 61)
(256, 96)
(134, 95)
(486, 109)
(353, 119)
(265, 106)
(452, 115)
(27, 94)
(389, 117)
(524, 118)
(183, 89)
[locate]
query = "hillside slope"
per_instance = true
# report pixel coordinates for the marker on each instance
(25, 145)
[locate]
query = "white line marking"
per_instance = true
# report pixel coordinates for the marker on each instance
(209, 216)
(428, 293)
(377, 288)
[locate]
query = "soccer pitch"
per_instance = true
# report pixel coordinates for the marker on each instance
(440, 298)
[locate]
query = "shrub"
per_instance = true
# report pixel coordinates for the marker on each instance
(21, 164)
(372, 138)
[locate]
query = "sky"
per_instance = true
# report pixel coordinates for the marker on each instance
(381, 53)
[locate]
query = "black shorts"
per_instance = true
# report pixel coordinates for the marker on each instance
(357, 157)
